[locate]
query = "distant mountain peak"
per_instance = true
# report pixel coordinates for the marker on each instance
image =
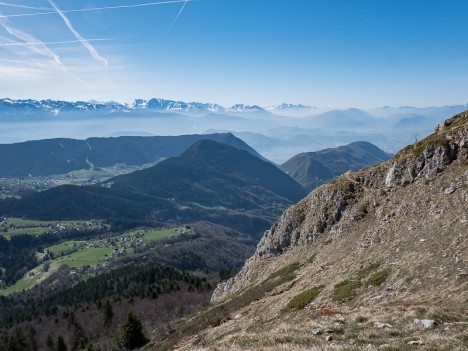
(247, 108)
(209, 145)
(285, 106)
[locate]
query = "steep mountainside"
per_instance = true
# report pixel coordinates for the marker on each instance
(376, 260)
(58, 156)
(210, 181)
(312, 169)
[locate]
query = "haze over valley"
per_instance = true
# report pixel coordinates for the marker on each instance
(277, 132)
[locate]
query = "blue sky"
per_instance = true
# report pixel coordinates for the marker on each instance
(327, 53)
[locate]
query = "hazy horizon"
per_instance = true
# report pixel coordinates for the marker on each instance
(277, 136)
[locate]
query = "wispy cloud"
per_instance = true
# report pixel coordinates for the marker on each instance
(24, 6)
(39, 47)
(99, 8)
(14, 73)
(178, 15)
(94, 53)
(17, 69)
(31, 63)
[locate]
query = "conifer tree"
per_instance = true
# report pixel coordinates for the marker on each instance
(61, 346)
(18, 341)
(4, 342)
(32, 339)
(131, 332)
(50, 343)
(108, 312)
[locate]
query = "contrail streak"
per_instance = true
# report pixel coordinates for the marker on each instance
(49, 43)
(78, 36)
(39, 48)
(25, 7)
(98, 8)
(178, 15)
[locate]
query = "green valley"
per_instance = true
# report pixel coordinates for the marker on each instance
(83, 256)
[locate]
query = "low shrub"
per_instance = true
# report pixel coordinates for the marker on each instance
(366, 271)
(379, 277)
(361, 319)
(301, 300)
(346, 290)
(286, 273)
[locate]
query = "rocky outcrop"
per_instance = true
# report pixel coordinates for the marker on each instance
(334, 208)
(434, 159)
(449, 122)
(315, 215)
(445, 149)
(429, 157)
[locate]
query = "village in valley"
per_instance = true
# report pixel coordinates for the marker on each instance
(78, 257)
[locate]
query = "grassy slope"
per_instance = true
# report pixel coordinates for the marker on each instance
(152, 235)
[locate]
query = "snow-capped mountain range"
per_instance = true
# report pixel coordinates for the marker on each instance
(56, 107)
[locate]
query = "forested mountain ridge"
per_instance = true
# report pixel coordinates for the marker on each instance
(210, 181)
(58, 156)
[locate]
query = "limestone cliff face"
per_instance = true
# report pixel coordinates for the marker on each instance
(334, 208)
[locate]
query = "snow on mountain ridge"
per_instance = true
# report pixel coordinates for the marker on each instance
(55, 107)
(285, 106)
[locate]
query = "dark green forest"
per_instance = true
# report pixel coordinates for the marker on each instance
(21, 316)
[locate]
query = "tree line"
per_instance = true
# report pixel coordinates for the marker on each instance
(136, 280)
